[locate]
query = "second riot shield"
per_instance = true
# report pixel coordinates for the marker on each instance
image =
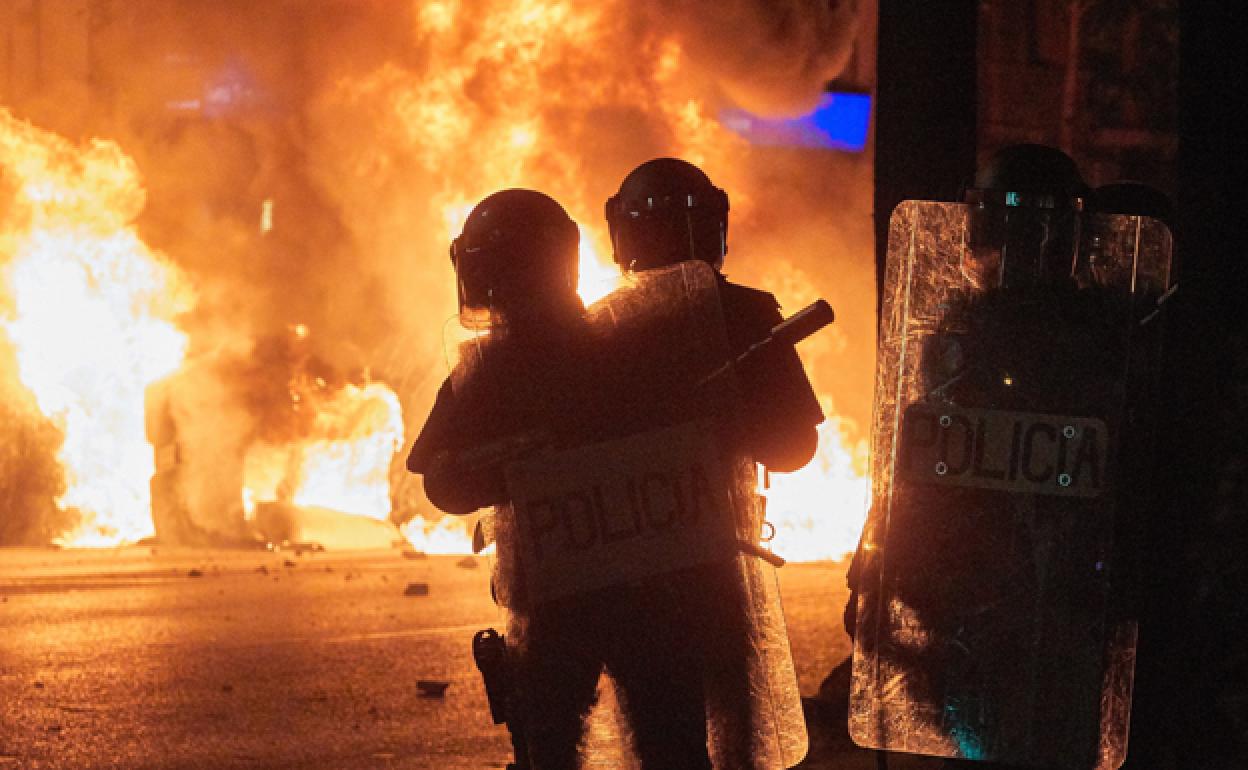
(1011, 441)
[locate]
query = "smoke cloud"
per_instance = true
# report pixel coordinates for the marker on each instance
(772, 57)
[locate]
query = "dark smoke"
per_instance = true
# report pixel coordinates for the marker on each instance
(770, 56)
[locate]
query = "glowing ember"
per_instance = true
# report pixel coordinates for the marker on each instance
(89, 310)
(344, 462)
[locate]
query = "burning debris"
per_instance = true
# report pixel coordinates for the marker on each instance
(432, 688)
(295, 452)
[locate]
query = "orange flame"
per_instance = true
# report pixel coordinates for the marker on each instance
(344, 462)
(812, 509)
(448, 534)
(91, 318)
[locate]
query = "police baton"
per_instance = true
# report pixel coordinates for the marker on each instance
(790, 331)
(803, 323)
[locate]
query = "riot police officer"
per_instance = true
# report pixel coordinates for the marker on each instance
(667, 211)
(1043, 189)
(1016, 372)
(516, 272)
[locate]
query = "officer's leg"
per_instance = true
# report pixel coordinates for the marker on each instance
(559, 679)
(730, 700)
(657, 667)
(663, 702)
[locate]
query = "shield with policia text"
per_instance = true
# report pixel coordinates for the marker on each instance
(1011, 444)
(629, 506)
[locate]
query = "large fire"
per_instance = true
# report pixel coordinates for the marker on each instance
(90, 312)
(559, 95)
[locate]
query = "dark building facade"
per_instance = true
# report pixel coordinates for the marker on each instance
(1097, 78)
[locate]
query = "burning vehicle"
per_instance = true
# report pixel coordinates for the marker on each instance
(272, 446)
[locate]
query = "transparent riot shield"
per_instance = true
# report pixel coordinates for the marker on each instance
(621, 542)
(1011, 442)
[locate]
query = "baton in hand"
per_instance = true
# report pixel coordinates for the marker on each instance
(790, 331)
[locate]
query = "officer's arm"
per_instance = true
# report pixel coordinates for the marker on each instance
(457, 486)
(781, 411)
(457, 480)
(790, 453)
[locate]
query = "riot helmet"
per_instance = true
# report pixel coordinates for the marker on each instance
(1026, 205)
(515, 260)
(667, 211)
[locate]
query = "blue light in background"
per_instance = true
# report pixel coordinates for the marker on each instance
(838, 122)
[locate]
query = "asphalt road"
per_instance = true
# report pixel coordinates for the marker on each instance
(148, 657)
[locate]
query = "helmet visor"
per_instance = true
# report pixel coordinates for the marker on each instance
(1016, 245)
(498, 287)
(646, 238)
(477, 283)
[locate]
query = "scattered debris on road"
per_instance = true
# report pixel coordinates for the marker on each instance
(432, 688)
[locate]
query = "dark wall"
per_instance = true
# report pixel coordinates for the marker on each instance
(925, 106)
(1192, 685)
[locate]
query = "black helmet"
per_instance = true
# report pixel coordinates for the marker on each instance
(667, 211)
(517, 256)
(1025, 216)
(1033, 175)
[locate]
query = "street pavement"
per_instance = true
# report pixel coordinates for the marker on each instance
(154, 657)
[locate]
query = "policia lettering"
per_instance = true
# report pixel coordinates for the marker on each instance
(623, 510)
(991, 449)
(647, 504)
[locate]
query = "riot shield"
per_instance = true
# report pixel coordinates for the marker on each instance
(621, 542)
(1011, 441)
